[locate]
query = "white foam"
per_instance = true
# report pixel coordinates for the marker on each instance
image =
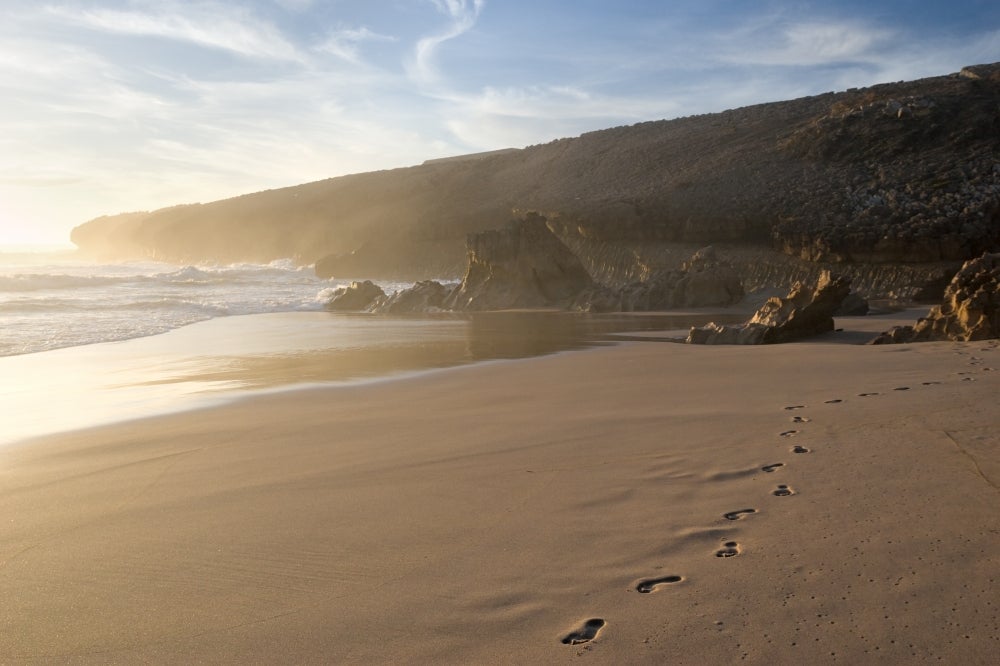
(48, 303)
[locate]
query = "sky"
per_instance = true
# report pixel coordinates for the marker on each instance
(110, 106)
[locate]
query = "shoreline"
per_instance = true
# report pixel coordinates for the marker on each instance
(485, 514)
(216, 361)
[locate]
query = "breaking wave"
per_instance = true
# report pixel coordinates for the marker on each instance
(68, 303)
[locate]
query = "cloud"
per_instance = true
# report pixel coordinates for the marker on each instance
(344, 42)
(208, 25)
(295, 5)
(519, 116)
(805, 44)
(463, 15)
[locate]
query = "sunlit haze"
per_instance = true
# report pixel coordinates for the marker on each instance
(113, 106)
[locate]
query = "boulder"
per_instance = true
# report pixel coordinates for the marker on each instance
(803, 313)
(523, 265)
(356, 297)
(425, 296)
(970, 311)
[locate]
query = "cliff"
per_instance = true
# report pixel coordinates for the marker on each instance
(893, 175)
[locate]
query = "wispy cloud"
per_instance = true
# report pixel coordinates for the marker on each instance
(463, 15)
(804, 44)
(345, 42)
(209, 25)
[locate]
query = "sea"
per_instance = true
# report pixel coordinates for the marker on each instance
(83, 343)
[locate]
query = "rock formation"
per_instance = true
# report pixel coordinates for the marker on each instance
(521, 266)
(970, 311)
(855, 305)
(425, 296)
(803, 313)
(356, 297)
(702, 281)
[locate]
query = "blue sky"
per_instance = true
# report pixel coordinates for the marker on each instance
(121, 105)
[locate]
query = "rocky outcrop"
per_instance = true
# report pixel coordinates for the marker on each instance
(523, 265)
(702, 281)
(855, 305)
(970, 311)
(803, 313)
(355, 297)
(425, 296)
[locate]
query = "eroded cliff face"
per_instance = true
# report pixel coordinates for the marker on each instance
(759, 267)
(892, 175)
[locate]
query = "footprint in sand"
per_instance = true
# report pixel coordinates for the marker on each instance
(834, 401)
(801, 419)
(737, 515)
(788, 433)
(650, 584)
(799, 449)
(930, 383)
(729, 549)
(782, 491)
(968, 379)
(791, 407)
(901, 388)
(865, 395)
(772, 467)
(587, 632)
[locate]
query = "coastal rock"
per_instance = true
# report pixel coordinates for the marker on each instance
(803, 313)
(707, 281)
(855, 305)
(355, 297)
(425, 296)
(703, 281)
(970, 311)
(521, 266)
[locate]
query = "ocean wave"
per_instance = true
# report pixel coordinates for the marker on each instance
(48, 306)
(21, 282)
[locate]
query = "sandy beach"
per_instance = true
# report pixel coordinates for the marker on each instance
(817, 502)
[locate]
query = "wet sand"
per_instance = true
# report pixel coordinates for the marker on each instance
(817, 502)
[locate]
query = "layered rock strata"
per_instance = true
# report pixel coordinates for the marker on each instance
(703, 281)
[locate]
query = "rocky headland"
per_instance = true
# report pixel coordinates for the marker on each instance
(892, 186)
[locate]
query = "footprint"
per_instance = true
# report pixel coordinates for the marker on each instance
(865, 395)
(801, 419)
(968, 379)
(772, 467)
(736, 515)
(730, 549)
(930, 383)
(791, 407)
(783, 491)
(832, 402)
(587, 632)
(901, 388)
(650, 584)
(788, 433)
(799, 449)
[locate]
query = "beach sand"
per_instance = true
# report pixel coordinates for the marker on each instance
(564, 509)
